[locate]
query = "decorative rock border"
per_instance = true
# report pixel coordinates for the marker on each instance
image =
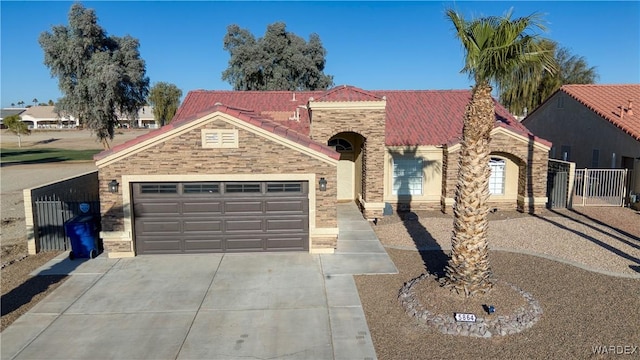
(522, 319)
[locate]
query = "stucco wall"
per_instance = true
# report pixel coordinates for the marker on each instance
(432, 171)
(183, 155)
(564, 121)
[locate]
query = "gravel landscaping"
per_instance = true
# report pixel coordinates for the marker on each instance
(582, 236)
(582, 311)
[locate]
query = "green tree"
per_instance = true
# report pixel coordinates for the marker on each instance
(20, 103)
(527, 92)
(495, 48)
(100, 76)
(280, 60)
(15, 125)
(50, 103)
(165, 99)
(34, 101)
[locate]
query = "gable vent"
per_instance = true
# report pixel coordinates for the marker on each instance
(219, 138)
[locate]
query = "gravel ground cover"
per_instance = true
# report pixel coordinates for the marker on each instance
(585, 313)
(603, 238)
(583, 310)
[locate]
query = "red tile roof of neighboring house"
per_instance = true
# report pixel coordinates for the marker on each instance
(612, 103)
(414, 117)
(238, 113)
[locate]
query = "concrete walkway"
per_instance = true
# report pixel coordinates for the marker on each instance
(209, 306)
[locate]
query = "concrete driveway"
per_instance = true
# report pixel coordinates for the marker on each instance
(210, 306)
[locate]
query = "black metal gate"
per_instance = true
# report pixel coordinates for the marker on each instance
(50, 214)
(558, 184)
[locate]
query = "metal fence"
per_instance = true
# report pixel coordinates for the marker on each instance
(601, 187)
(50, 214)
(558, 183)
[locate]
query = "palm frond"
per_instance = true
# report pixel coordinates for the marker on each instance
(497, 47)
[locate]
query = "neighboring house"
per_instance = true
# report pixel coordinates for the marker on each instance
(6, 112)
(263, 171)
(594, 126)
(144, 119)
(45, 117)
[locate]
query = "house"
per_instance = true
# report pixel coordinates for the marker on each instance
(263, 171)
(144, 119)
(594, 126)
(45, 117)
(6, 112)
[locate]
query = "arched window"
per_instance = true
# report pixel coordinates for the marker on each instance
(496, 181)
(341, 145)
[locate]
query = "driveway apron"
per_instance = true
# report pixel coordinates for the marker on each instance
(209, 306)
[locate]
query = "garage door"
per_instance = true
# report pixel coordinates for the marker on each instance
(196, 217)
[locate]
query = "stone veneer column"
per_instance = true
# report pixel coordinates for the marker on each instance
(366, 118)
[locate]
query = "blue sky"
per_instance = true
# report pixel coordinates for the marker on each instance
(371, 45)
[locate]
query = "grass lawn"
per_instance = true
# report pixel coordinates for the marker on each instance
(38, 156)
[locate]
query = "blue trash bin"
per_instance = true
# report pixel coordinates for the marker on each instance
(82, 230)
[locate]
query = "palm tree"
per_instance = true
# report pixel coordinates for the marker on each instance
(527, 93)
(20, 103)
(495, 48)
(35, 101)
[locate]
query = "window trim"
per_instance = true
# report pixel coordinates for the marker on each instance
(172, 187)
(192, 186)
(420, 165)
(497, 162)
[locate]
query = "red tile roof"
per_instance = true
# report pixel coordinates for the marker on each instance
(612, 103)
(348, 93)
(238, 113)
(414, 117)
(433, 117)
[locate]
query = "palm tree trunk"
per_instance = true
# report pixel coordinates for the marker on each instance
(468, 271)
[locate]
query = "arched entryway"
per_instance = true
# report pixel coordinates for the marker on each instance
(349, 145)
(507, 181)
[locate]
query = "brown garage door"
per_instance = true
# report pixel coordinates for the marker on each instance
(196, 217)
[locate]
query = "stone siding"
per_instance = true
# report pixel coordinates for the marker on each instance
(118, 246)
(532, 175)
(325, 123)
(184, 155)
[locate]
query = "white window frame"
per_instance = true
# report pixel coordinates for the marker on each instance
(409, 171)
(498, 175)
(219, 138)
